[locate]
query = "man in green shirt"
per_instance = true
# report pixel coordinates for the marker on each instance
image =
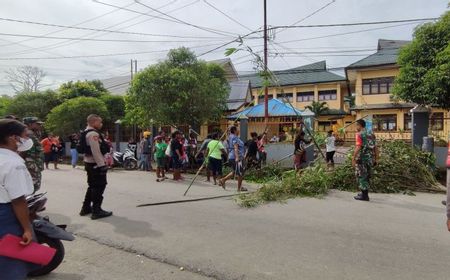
(214, 151)
(160, 157)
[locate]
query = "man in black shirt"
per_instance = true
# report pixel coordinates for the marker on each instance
(177, 154)
(252, 151)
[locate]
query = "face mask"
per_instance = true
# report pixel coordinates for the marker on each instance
(24, 144)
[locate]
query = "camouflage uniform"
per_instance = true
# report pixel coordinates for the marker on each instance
(34, 160)
(365, 160)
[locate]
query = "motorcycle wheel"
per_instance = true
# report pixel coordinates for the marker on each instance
(57, 259)
(130, 165)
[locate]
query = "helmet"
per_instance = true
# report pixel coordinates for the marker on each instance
(147, 133)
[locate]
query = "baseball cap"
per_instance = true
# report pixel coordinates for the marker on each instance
(30, 120)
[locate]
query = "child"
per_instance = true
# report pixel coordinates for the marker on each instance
(331, 148)
(160, 156)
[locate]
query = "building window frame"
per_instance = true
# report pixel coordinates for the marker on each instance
(305, 96)
(327, 95)
(261, 98)
(385, 123)
(283, 96)
(407, 122)
(437, 121)
(374, 86)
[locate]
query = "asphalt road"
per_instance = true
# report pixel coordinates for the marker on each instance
(392, 237)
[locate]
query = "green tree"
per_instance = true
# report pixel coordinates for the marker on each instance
(71, 115)
(318, 108)
(81, 88)
(5, 100)
(180, 90)
(425, 65)
(35, 104)
(115, 105)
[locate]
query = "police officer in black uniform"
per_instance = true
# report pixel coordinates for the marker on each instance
(94, 148)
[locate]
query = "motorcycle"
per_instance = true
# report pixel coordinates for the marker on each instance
(126, 160)
(47, 233)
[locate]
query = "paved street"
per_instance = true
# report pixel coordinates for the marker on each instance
(392, 237)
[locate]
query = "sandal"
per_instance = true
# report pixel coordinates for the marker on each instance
(222, 184)
(243, 190)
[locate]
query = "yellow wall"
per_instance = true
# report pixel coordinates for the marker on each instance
(340, 88)
(361, 99)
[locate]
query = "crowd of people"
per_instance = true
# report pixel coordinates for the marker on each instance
(23, 156)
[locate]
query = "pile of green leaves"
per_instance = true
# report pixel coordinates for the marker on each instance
(312, 181)
(401, 168)
(265, 174)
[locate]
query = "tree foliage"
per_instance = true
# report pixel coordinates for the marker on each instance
(318, 108)
(34, 104)
(4, 104)
(25, 78)
(70, 116)
(180, 90)
(73, 89)
(425, 65)
(115, 105)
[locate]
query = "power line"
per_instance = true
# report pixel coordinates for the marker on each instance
(351, 24)
(345, 33)
(171, 19)
(308, 16)
(226, 15)
(80, 23)
(94, 55)
(104, 40)
(106, 30)
(69, 42)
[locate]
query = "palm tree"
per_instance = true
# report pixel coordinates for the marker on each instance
(318, 108)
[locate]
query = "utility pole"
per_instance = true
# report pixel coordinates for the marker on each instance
(135, 66)
(265, 78)
(131, 69)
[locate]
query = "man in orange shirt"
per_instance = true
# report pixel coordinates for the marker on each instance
(47, 144)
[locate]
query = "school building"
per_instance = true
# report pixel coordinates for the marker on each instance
(371, 80)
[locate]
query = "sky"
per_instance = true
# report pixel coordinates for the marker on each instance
(145, 30)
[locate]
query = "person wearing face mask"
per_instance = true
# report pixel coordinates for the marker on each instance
(94, 148)
(34, 157)
(15, 184)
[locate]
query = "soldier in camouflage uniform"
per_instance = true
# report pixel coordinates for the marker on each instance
(34, 158)
(364, 159)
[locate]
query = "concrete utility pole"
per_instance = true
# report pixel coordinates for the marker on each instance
(265, 78)
(131, 65)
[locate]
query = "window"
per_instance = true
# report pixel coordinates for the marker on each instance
(385, 122)
(286, 96)
(437, 121)
(261, 98)
(407, 123)
(327, 95)
(378, 85)
(306, 96)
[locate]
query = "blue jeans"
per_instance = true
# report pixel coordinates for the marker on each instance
(11, 268)
(143, 164)
(74, 154)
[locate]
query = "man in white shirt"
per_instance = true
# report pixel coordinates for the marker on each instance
(331, 148)
(15, 185)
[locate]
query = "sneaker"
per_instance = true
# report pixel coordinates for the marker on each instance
(85, 211)
(101, 214)
(362, 197)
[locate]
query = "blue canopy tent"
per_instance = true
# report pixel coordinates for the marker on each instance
(282, 117)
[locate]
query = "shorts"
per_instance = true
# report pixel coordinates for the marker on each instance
(49, 157)
(161, 162)
(330, 156)
(215, 165)
(176, 162)
(238, 167)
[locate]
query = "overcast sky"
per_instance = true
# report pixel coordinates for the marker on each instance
(289, 47)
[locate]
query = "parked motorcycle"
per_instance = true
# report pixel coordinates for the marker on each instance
(47, 233)
(126, 160)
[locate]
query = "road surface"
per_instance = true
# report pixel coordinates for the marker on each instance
(392, 237)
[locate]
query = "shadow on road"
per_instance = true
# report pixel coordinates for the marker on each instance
(56, 275)
(131, 228)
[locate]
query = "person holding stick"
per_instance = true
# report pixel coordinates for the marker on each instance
(236, 152)
(214, 151)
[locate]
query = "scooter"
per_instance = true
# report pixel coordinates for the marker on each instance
(47, 233)
(126, 160)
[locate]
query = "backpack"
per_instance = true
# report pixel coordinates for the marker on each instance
(84, 148)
